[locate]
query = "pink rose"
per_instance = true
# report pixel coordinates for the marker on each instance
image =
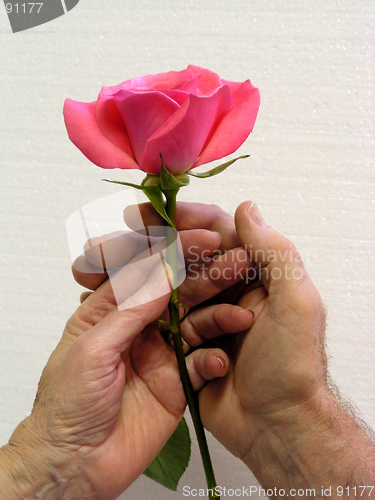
(189, 117)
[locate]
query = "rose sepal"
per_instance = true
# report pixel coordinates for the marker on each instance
(154, 186)
(218, 169)
(170, 182)
(153, 193)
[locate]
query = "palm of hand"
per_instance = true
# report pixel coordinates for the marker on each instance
(151, 405)
(95, 405)
(276, 366)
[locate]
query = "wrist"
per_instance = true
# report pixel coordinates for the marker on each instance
(276, 456)
(31, 468)
(313, 445)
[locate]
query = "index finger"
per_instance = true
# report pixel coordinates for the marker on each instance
(90, 269)
(188, 216)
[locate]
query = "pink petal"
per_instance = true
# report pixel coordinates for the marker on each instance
(143, 114)
(160, 81)
(178, 96)
(234, 86)
(181, 139)
(191, 86)
(84, 132)
(235, 126)
(111, 124)
(208, 81)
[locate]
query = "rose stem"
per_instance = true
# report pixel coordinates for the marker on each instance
(174, 313)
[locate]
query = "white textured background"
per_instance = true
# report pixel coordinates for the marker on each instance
(311, 168)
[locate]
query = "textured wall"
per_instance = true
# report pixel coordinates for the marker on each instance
(311, 168)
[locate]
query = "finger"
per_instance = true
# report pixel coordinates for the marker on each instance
(199, 244)
(254, 300)
(196, 245)
(113, 293)
(87, 275)
(215, 275)
(109, 251)
(112, 250)
(213, 321)
(232, 294)
(117, 330)
(188, 216)
(84, 296)
(280, 263)
(202, 282)
(206, 364)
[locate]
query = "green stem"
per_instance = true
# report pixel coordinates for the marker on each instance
(174, 313)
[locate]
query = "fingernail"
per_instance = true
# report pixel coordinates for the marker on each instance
(221, 361)
(256, 215)
(247, 310)
(251, 311)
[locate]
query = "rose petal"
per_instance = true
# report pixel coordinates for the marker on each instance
(111, 124)
(181, 139)
(235, 126)
(84, 132)
(191, 86)
(143, 114)
(131, 124)
(178, 96)
(208, 80)
(234, 86)
(160, 81)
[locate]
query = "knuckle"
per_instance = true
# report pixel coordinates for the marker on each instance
(284, 246)
(190, 328)
(215, 208)
(85, 350)
(218, 215)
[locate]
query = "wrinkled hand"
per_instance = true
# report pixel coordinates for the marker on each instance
(214, 255)
(110, 395)
(275, 404)
(274, 409)
(279, 364)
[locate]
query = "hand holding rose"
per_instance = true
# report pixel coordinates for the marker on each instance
(111, 395)
(275, 409)
(268, 400)
(166, 125)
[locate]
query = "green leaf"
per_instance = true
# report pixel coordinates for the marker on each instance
(170, 464)
(153, 193)
(218, 169)
(172, 182)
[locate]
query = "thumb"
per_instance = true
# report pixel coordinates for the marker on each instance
(119, 328)
(276, 257)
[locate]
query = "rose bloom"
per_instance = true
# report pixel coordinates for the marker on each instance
(189, 118)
